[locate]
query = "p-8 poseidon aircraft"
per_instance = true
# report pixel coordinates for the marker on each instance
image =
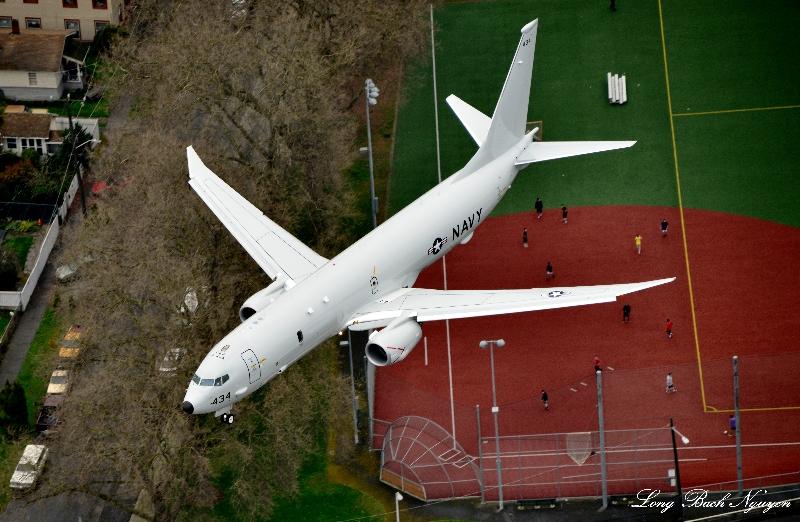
(370, 284)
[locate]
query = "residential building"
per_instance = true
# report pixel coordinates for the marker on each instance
(84, 17)
(40, 131)
(33, 66)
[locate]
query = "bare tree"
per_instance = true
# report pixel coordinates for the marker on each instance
(262, 89)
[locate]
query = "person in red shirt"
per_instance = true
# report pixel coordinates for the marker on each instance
(597, 367)
(669, 329)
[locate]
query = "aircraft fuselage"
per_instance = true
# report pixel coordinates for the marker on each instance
(316, 308)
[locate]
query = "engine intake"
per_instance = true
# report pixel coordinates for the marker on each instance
(393, 343)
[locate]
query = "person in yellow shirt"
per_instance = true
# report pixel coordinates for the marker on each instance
(637, 240)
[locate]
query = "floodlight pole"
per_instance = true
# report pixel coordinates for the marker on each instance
(601, 422)
(678, 490)
(738, 425)
(480, 451)
(397, 498)
(495, 412)
(371, 98)
(353, 387)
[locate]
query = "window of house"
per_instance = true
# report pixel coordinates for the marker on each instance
(33, 23)
(5, 22)
(30, 1)
(99, 25)
(73, 25)
(100, 4)
(11, 143)
(69, 3)
(32, 79)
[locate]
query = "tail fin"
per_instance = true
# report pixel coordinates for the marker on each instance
(511, 112)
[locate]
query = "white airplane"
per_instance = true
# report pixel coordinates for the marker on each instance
(369, 285)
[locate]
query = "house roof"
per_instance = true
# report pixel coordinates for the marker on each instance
(26, 125)
(39, 51)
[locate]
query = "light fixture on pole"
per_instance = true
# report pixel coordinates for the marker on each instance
(371, 93)
(397, 498)
(491, 344)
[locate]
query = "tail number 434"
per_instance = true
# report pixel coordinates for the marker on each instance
(222, 398)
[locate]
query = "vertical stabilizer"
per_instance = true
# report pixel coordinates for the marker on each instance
(511, 112)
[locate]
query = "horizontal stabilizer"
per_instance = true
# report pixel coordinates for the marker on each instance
(476, 122)
(548, 150)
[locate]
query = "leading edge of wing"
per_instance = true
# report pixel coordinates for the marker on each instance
(274, 249)
(437, 305)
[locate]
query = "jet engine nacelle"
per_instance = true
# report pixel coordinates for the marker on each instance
(261, 299)
(393, 343)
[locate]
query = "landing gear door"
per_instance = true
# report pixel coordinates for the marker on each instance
(253, 367)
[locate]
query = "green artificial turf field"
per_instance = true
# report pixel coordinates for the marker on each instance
(722, 55)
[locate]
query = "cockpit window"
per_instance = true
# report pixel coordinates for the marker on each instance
(219, 381)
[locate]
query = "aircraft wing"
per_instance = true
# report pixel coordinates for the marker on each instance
(275, 250)
(436, 305)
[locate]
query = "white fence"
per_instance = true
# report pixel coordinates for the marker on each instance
(18, 300)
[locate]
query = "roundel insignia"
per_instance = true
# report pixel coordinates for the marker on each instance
(437, 246)
(556, 293)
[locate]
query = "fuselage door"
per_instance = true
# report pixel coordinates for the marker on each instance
(253, 367)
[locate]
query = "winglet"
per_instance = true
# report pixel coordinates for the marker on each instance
(196, 166)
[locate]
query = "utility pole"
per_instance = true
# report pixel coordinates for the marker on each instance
(80, 167)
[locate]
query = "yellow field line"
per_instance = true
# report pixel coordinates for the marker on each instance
(712, 409)
(728, 111)
(680, 206)
(706, 407)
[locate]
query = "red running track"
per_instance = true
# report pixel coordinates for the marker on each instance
(744, 284)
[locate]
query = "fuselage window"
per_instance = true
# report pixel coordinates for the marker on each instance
(207, 382)
(299, 336)
(195, 379)
(225, 378)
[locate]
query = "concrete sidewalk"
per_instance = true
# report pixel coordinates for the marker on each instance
(28, 325)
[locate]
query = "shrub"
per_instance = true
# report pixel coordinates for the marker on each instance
(8, 272)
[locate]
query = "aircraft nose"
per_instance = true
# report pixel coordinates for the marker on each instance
(187, 407)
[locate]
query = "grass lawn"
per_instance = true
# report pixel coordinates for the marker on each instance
(19, 246)
(721, 55)
(79, 109)
(10, 452)
(34, 377)
(318, 497)
(322, 500)
(38, 365)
